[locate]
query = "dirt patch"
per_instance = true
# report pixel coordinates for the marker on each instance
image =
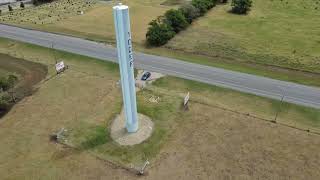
(30, 73)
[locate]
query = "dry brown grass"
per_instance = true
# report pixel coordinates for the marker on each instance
(215, 144)
(207, 142)
(87, 91)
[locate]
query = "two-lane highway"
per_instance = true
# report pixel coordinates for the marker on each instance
(266, 87)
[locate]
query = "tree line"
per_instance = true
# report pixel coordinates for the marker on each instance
(165, 27)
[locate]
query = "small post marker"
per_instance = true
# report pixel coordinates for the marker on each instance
(186, 101)
(141, 172)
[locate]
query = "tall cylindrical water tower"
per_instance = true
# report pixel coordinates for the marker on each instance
(125, 57)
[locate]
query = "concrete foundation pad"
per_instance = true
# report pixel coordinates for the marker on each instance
(120, 135)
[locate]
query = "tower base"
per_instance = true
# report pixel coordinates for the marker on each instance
(120, 134)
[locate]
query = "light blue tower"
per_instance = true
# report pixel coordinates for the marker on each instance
(125, 57)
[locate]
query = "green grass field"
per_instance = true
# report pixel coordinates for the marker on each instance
(277, 33)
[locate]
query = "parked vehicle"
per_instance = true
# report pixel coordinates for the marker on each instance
(145, 76)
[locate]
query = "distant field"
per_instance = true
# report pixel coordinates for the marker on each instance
(46, 13)
(279, 33)
(96, 23)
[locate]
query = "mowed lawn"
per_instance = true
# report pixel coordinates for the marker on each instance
(281, 33)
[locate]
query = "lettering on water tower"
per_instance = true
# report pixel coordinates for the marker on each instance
(130, 50)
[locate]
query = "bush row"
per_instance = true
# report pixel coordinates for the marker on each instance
(162, 29)
(165, 27)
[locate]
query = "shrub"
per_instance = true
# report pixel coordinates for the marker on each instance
(35, 2)
(223, 1)
(241, 6)
(10, 8)
(203, 5)
(211, 3)
(159, 33)
(176, 20)
(7, 83)
(22, 5)
(4, 85)
(39, 2)
(11, 80)
(4, 101)
(190, 12)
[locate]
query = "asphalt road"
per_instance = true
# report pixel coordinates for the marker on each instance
(266, 87)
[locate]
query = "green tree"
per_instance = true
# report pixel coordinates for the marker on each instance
(176, 20)
(159, 33)
(241, 6)
(190, 12)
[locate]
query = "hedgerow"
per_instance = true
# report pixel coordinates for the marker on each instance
(164, 28)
